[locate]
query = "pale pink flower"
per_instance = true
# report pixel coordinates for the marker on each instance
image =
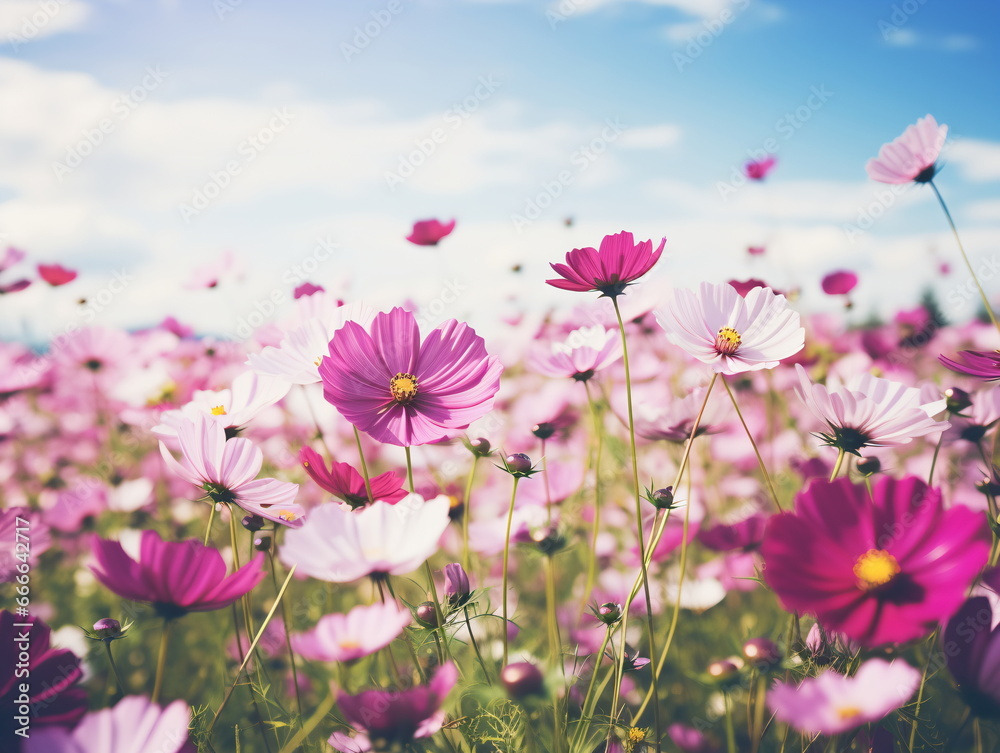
(345, 637)
(912, 156)
(584, 352)
(731, 333)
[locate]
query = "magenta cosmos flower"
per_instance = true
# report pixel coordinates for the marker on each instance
(345, 483)
(429, 232)
(345, 637)
(340, 546)
(830, 703)
(971, 644)
(176, 577)
(390, 720)
(619, 263)
(912, 156)
(405, 392)
(731, 333)
(55, 696)
(759, 169)
(983, 365)
(56, 274)
(841, 282)
(878, 569)
(869, 412)
(582, 354)
(227, 469)
(134, 725)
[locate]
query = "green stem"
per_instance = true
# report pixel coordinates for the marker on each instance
(211, 519)
(161, 662)
(934, 459)
(467, 514)
(409, 469)
(588, 700)
(506, 557)
(920, 694)
(475, 646)
(114, 668)
(965, 258)
(756, 451)
(643, 573)
(288, 635)
(730, 731)
(438, 612)
(364, 467)
(592, 562)
(836, 466)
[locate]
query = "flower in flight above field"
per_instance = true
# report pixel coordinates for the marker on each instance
(429, 232)
(880, 568)
(227, 470)
(404, 391)
(912, 156)
(731, 333)
(344, 482)
(583, 353)
(619, 263)
(345, 637)
(759, 169)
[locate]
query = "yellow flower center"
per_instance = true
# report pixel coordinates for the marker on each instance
(875, 568)
(350, 643)
(218, 410)
(848, 712)
(287, 515)
(403, 387)
(318, 361)
(727, 341)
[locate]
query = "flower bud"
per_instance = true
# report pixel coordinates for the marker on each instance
(518, 464)
(869, 466)
(957, 400)
(480, 447)
(426, 614)
(609, 613)
(262, 543)
(762, 653)
(543, 430)
(663, 499)
(456, 585)
(108, 628)
(725, 671)
(522, 679)
(253, 523)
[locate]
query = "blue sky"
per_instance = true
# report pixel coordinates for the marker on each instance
(645, 106)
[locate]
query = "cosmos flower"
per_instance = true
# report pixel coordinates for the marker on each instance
(733, 334)
(869, 412)
(841, 282)
(55, 696)
(831, 703)
(912, 156)
(971, 643)
(307, 289)
(390, 720)
(345, 637)
(227, 469)
(133, 725)
(11, 257)
(56, 274)
(340, 546)
(759, 169)
(176, 577)
(983, 365)
(619, 263)
(404, 391)
(674, 421)
(429, 232)
(879, 569)
(583, 353)
(345, 483)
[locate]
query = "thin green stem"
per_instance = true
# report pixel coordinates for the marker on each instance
(753, 443)
(506, 558)
(555, 649)
(934, 459)
(211, 519)
(364, 467)
(438, 612)
(592, 561)
(409, 468)
(114, 668)
(730, 731)
(643, 573)
(288, 634)
(161, 662)
(920, 693)
(965, 258)
(467, 513)
(587, 708)
(475, 646)
(836, 466)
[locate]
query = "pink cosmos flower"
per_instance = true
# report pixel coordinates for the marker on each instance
(983, 365)
(912, 156)
(747, 285)
(879, 569)
(733, 334)
(619, 263)
(307, 289)
(132, 725)
(394, 719)
(227, 469)
(340, 546)
(971, 643)
(756, 250)
(56, 274)
(55, 695)
(869, 412)
(209, 275)
(583, 353)
(11, 257)
(759, 169)
(345, 637)
(404, 391)
(429, 232)
(831, 703)
(839, 283)
(674, 421)
(176, 577)
(342, 481)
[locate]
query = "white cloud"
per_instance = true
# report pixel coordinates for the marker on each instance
(22, 21)
(903, 37)
(977, 160)
(651, 137)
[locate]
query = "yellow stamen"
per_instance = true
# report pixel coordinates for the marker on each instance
(848, 712)
(875, 568)
(287, 515)
(403, 387)
(218, 410)
(728, 341)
